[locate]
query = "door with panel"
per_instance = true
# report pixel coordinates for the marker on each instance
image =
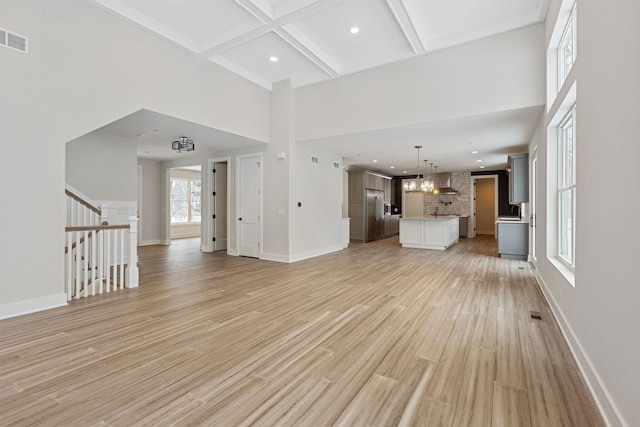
(249, 205)
(220, 206)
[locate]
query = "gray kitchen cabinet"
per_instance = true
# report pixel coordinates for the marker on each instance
(519, 178)
(387, 191)
(391, 225)
(464, 226)
(366, 205)
(513, 239)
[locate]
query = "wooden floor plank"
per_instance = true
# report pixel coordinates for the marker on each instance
(376, 334)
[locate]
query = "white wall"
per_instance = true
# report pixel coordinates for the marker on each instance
(493, 74)
(87, 68)
(277, 174)
(102, 166)
(150, 207)
(599, 315)
(316, 225)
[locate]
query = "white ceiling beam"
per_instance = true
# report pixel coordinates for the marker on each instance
(296, 9)
(241, 71)
(236, 36)
(310, 50)
(409, 30)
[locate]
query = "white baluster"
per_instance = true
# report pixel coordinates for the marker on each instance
(100, 237)
(107, 258)
(69, 262)
(132, 268)
(121, 281)
(85, 263)
(77, 263)
(94, 260)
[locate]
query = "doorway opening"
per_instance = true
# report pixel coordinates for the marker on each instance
(485, 204)
(218, 202)
(185, 202)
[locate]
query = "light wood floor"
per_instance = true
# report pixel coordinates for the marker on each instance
(372, 335)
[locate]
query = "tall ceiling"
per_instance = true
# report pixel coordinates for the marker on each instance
(313, 42)
(312, 39)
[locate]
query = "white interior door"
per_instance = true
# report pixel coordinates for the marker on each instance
(249, 206)
(220, 206)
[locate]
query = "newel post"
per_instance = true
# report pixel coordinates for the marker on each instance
(132, 268)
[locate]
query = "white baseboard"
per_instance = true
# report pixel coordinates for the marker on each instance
(274, 257)
(301, 256)
(151, 242)
(605, 403)
(32, 305)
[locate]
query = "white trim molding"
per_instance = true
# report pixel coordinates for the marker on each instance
(301, 256)
(601, 395)
(33, 305)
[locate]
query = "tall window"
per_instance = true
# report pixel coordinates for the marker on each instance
(567, 188)
(185, 201)
(567, 48)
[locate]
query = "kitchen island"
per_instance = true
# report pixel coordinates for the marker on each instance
(431, 232)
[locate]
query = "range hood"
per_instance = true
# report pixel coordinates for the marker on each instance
(444, 184)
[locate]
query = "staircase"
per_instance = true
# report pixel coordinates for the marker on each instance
(99, 257)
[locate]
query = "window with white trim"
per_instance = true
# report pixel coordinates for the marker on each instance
(186, 206)
(567, 48)
(567, 188)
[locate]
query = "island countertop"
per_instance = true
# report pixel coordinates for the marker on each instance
(431, 218)
(429, 232)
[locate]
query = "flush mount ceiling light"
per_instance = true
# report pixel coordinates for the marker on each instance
(273, 58)
(354, 30)
(419, 183)
(182, 144)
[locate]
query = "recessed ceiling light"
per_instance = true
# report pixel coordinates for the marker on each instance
(392, 167)
(479, 161)
(474, 152)
(273, 58)
(404, 171)
(482, 167)
(375, 161)
(354, 30)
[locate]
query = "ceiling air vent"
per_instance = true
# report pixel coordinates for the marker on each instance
(315, 160)
(14, 41)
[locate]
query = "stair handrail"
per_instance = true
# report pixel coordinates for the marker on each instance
(83, 202)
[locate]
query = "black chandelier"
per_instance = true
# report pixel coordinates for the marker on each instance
(183, 144)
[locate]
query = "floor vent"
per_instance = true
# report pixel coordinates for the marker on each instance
(535, 315)
(14, 41)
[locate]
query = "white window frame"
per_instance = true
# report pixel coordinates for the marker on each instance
(189, 202)
(569, 188)
(570, 27)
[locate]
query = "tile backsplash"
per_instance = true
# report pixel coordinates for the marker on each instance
(458, 204)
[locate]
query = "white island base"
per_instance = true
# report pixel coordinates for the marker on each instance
(429, 232)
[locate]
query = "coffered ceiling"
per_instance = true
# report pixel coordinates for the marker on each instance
(313, 39)
(316, 40)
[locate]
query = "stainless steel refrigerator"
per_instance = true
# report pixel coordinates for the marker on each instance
(375, 215)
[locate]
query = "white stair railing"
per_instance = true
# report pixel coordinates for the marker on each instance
(98, 257)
